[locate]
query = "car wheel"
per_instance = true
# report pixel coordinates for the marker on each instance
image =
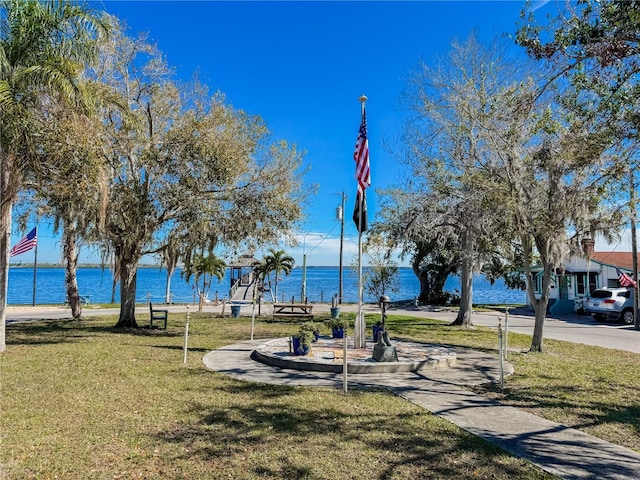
(627, 316)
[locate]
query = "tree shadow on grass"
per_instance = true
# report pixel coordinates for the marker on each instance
(50, 332)
(277, 431)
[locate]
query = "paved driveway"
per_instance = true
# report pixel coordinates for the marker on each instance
(571, 328)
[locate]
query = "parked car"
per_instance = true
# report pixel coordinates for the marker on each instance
(611, 302)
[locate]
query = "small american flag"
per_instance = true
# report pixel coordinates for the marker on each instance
(625, 280)
(26, 244)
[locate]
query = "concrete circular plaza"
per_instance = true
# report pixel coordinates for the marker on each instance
(327, 355)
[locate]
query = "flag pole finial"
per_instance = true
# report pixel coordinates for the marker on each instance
(363, 98)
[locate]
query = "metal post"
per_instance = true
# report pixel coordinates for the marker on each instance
(500, 353)
(253, 307)
(341, 247)
(358, 332)
(35, 266)
(304, 278)
(186, 336)
(506, 331)
(359, 338)
(344, 355)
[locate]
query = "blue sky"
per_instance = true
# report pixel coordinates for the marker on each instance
(301, 66)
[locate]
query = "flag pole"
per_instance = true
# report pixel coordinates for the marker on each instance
(35, 267)
(359, 331)
(634, 247)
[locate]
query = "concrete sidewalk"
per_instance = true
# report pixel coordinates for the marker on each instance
(562, 451)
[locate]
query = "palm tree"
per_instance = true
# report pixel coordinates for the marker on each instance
(204, 268)
(43, 49)
(74, 190)
(260, 275)
(278, 261)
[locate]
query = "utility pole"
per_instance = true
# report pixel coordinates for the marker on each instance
(303, 294)
(341, 218)
(634, 247)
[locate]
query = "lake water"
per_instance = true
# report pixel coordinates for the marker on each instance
(322, 284)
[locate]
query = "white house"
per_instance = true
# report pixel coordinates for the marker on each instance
(581, 276)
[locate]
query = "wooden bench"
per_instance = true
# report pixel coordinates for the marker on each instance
(292, 310)
(157, 315)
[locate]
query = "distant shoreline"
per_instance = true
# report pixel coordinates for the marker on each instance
(149, 265)
(83, 265)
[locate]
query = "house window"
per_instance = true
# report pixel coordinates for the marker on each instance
(612, 283)
(593, 281)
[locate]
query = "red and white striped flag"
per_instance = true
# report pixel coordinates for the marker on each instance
(363, 175)
(26, 244)
(625, 280)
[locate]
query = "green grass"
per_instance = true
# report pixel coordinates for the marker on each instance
(82, 400)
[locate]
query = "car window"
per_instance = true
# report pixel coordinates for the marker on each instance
(626, 294)
(601, 294)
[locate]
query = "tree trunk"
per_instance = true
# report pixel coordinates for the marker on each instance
(466, 283)
(540, 307)
(432, 279)
(432, 286)
(6, 207)
(540, 314)
(275, 288)
(167, 291)
(70, 254)
(114, 285)
(128, 278)
(115, 268)
(9, 187)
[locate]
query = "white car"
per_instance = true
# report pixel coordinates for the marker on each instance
(611, 302)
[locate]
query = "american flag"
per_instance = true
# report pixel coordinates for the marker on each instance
(361, 156)
(26, 244)
(363, 175)
(625, 280)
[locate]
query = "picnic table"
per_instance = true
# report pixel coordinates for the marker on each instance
(292, 310)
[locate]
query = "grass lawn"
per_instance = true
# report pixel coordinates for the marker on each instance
(82, 400)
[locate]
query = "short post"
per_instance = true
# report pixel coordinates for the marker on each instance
(501, 354)
(506, 332)
(344, 355)
(186, 336)
(253, 315)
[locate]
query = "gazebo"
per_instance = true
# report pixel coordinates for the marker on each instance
(241, 272)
